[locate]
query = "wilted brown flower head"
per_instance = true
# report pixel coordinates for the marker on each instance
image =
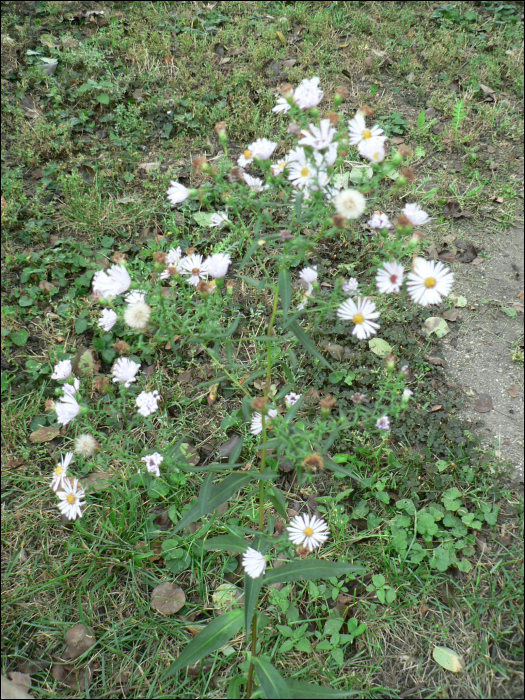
(366, 111)
(342, 91)
(403, 221)
(285, 89)
(220, 128)
(313, 463)
(236, 174)
(101, 385)
(259, 404)
(327, 402)
(405, 151)
(409, 174)
(118, 258)
(206, 287)
(293, 128)
(49, 406)
(121, 347)
(198, 162)
(333, 118)
(417, 236)
(230, 285)
(339, 221)
(302, 552)
(159, 257)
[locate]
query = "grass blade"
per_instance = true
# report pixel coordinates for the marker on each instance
(310, 570)
(272, 683)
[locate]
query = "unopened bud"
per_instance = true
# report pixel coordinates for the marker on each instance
(293, 128)
(119, 258)
(121, 347)
(259, 404)
(236, 174)
(401, 181)
(220, 130)
(339, 221)
(314, 112)
(173, 270)
(409, 174)
(49, 406)
(327, 403)
(407, 393)
(341, 94)
(313, 463)
(397, 159)
(230, 285)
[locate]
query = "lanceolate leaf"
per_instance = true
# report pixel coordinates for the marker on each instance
(307, 343)
(272, 683)
(222, 542)
(310, 570)
(213, 637)
(285, 290)
(219, 495)
(341, 471)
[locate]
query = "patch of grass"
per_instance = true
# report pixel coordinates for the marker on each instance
(146, 85)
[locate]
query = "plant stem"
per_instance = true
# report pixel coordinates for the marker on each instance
(254, 650)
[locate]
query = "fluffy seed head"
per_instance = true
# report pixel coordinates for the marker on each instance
(137, 316)
(86, 445)
(350, 203)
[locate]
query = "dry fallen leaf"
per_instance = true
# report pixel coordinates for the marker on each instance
(436, 408)
(514, 390)
(448, 659)
(79, 639)
(13, 691)
(44, 434)
(226, 449)
(438, 361)
(483, 404)
(469, 254)
(167, 598)
(448, 256)
(451, 315)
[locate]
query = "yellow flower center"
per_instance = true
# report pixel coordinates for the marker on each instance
(376, 156)
(305, 172)
(308, 531)
(430, 282)
(367, 134)
(358, 318)
(59, 470)
(71, 498)
(247, 154)
(195, 271)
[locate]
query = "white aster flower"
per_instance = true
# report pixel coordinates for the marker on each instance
(379, 221)
(309, 275)
(255, 183)
(372, 149)
(194, 266)
(282, 105)
(415, 214)
(177, 193)
(254, 563)
(71, 389)
(327, 158)
(407, 393)
(147, 402)
(256, 424)
(219, 220)
(308, 94)
(66, 409)
(320, 181)
(429, 281)
(107, 320)
(137, 315)
(111, 283)
(390, 278)
(291, 398)
(217, 265)
(361, 312)
(173, 257)
(124, 371)
(358, 131)
(153, 463)
(301, 174)
(86, 445)
(350, 203)
(318, 137)
(262, 149)
(135, 296)
(71, 499)
(62, 370)
(350, 287)
(308, 531)
(60, 472)
(383, 423)
(280, 166)
(405, 369)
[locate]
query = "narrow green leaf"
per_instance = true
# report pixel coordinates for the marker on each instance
(421, 119)
(310, 570)
(232, 542)
(219, 495)
(307, 343)
(213, 637)
(340, 471)
(276, 496)
(272, 683)
(285, 290)
(303, 689)
(205, 492)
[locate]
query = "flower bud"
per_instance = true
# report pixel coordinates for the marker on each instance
(314, 113)
(200, 163)
(409, 174)
(333, 118)
(50, 406)
(220, 130)
(401, 181)
(405, 151)
(302, 552)
(206, 288)
(286, 90)
(406, 397)
(230, 284)
(391, 361)
(159, 258)
(397, 159)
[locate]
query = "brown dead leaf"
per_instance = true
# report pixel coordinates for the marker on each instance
(235, 52)
(520, 296)
(517, 307)
(12, 690)
(432, 252)
(87, 173)
(483, 404)
(196, 670)
(469, 254)
(73, 677)
(438, 361)
(219, 50)
(424, 610)
(44, 434)
(446, 593)
(486, 89)
(451, 315)
(185, 377)
(477, 261)
(227, 448)
(79, 639)
(96, 481)
(453, 210)
(336, 351)
(448, 256)
(212, 396)
(29, 106)
(289, 62)
(45, 286)
(224, 60)
(514, 390)
(22, 679)
(148, 167)
(14, 463)
(436, 408)
(167, 598)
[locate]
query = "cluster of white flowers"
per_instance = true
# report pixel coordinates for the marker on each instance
(153, 463)
(308, 532)
(68, 490)
(194, 267)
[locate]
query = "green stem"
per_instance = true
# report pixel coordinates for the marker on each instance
(254, 650)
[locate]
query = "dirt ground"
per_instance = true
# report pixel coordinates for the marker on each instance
(479, 351)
